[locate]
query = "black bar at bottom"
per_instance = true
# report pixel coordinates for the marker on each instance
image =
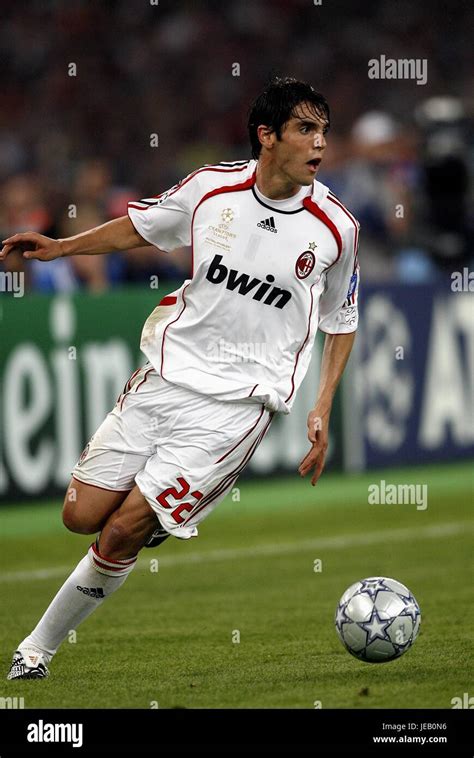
(262, 732)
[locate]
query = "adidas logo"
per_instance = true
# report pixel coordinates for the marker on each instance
(268, 224)
(96, 592)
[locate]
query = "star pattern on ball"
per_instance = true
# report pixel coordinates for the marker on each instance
(371, 587)
(411, 609)
(341, 616)
(404, 597)
(376, 627)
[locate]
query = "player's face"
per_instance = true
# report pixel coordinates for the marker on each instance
(299, 152)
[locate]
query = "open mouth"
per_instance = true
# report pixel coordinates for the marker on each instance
(314, 163)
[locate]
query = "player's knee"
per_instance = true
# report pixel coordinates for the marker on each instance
(125, 535)
(117, 537)
(76, 521)
(120, 533)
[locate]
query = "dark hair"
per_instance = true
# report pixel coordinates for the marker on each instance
(276, 104)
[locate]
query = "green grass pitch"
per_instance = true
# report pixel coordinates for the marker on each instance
(169, 637)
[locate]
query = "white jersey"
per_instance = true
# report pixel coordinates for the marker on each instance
(265, 276)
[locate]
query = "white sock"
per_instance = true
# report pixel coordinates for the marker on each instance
(94, 578)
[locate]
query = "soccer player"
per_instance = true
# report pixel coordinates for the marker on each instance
(274, 258)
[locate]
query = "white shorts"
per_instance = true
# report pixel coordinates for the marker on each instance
(183, 449)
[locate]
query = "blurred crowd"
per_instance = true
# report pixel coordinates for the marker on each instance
(104, 102)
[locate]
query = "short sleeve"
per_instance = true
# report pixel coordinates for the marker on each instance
(165, 220)
(338, 306)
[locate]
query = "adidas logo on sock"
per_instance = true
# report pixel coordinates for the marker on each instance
(268, 224)
(96, 592)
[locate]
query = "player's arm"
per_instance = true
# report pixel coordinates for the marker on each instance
(337, 348)
(119, 234)
(338, 318)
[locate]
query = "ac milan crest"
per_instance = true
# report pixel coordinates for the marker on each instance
(305, 264)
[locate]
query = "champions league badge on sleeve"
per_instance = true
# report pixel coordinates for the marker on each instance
(350, 299)
(350, 315)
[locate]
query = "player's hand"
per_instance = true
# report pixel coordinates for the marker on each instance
(318, 435)
(31, 245)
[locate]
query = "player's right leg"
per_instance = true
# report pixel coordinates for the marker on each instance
(109, 561)
(86, 510)
(87, 507)
(102, 480)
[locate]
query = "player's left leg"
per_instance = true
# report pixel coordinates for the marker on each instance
(128, 529)
(109, 561)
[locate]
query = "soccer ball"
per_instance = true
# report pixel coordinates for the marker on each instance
(377, 619)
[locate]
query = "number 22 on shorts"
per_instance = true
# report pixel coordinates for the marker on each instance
(178, 494)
